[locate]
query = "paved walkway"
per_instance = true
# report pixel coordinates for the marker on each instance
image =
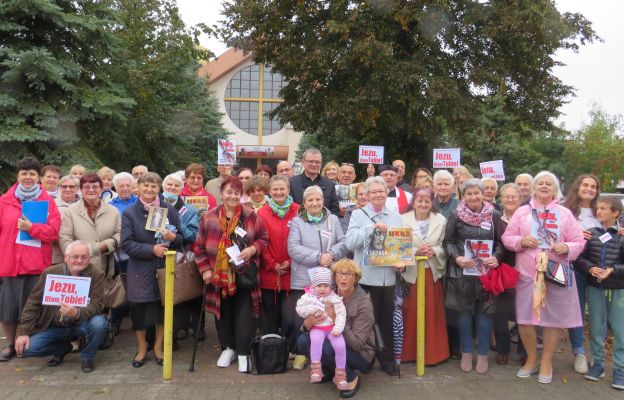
(114, 378)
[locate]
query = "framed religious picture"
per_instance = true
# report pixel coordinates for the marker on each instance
(156, 219)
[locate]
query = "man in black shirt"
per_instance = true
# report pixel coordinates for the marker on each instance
(312, 160)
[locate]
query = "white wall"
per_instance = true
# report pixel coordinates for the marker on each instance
(284, 137)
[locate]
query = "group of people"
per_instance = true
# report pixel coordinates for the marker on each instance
(301, 266)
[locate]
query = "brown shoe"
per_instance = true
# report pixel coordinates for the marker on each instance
(502, 359)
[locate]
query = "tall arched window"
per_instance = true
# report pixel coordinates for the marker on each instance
(250, 95)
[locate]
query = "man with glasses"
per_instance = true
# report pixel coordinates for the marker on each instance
(312, 160)
(398, 200)
(47, 330)
(138, 171)
(285, 169)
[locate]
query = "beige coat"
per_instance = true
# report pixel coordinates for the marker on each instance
(76, 225)
(435, 236)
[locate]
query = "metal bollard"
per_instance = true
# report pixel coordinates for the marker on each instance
(169, 277)
(420, 321)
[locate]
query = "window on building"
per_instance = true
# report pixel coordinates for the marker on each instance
(250, 95)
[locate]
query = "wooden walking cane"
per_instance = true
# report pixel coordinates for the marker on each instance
(198, 327)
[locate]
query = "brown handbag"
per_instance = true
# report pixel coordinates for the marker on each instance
(187, 284)
(114, 288)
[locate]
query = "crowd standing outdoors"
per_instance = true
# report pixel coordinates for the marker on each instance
(304, 269)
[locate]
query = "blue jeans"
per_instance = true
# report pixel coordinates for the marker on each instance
(54, 341)
(576, 334)
(355, 361)
(484, 331)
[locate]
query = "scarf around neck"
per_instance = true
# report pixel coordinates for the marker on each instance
(223, 277)
(155, 203)
(27, 194)
(257, 205)
(475, 218)
(316, 220)
(281, 210)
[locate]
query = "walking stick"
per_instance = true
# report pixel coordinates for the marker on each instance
(198, 327)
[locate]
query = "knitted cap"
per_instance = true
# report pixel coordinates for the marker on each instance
(321, 275)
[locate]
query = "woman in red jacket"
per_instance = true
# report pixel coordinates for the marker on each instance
(275, 270)
(22, 263)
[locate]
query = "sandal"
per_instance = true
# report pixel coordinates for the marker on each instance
(316, 374)
(340, 379)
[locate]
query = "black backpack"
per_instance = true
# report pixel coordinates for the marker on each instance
(269, 354)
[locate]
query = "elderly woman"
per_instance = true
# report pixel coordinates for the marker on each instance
(68, 187)
(264, 171)
(233, 294)
(444, 200)
(581, 200)
(194, 186)
(428, 227)
(358, 331)
(256, 189)
(185, 314)
(95, 222)
(330, 171)
(123, 182)
(510, 200)
(315, 239)
(368, 223)
(146, 250)
(490, 190)
(106, 175)
(22, 260)
(276, 215)
(559, 306)
(474, 221)
(50, 175)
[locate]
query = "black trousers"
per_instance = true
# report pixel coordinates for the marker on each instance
(291, 321)
(273, 310)
(236, 326)
(382, 298)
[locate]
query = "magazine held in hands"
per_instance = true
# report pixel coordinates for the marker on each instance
(478, 250)
(390, 248)
(545, 227)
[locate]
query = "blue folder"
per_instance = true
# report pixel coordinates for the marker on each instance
(36, 212)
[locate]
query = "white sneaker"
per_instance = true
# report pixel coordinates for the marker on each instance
(226, 358)
(580, 364)
(243, 363)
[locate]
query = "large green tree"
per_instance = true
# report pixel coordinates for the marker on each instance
(175, 119)
(54, 58)
(409, 74)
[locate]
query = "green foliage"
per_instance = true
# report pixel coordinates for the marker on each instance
(597, 149)
(409, 75)
(53, 58)
(103, 82)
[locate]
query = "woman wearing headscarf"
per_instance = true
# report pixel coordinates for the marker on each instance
(471, 226)
(23, 261)
(538, 301)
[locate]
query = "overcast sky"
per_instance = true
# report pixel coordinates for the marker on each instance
(596, 71)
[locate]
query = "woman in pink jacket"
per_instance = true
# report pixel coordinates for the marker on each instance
(563, 242)
(22, 263)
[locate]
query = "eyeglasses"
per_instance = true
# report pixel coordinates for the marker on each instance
(316, 162)
(510, 197)
(65, 187)
(376, 191)
(91, 187)
(348, 274)
(81, 258)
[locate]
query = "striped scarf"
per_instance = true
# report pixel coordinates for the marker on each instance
(223, 277)
(27, 194)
